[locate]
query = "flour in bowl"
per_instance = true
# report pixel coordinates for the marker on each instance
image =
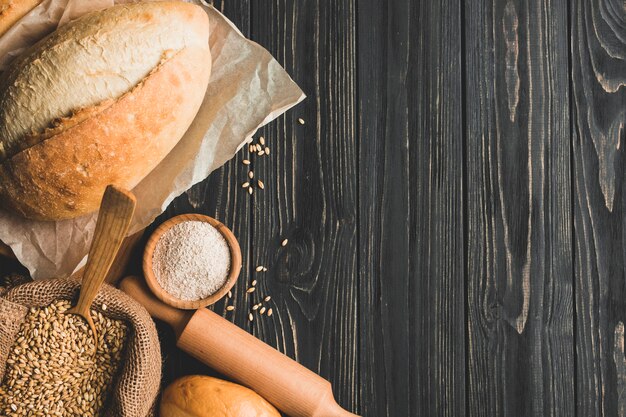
(191, 260)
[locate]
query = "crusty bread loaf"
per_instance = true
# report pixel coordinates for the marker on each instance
(13, 10)
(101, 101)
(204, 396)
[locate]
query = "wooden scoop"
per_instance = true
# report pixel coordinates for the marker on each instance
(291, 387)
(116, 212)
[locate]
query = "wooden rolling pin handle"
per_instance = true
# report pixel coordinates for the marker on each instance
(138, 289)
(291, 387)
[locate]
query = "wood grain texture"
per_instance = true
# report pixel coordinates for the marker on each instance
(410, 204)
(519, 255)
(598, 36)
(311, 196)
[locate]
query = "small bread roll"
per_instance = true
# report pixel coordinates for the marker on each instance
(204, 396)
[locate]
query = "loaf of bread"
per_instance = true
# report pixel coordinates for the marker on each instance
(100, 101)
(203, 396)
(13, 10)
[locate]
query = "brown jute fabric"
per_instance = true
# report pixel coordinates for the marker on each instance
(137, 385)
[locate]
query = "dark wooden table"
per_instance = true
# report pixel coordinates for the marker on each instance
(454, 204)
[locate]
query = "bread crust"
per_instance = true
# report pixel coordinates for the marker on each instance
(98, 57)
(13, 10)
(65, 175)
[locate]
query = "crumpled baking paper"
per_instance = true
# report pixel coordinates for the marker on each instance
(248, 89)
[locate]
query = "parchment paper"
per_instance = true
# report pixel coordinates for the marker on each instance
(248, 89)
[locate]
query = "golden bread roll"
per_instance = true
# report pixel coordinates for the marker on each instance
(100, 101)
(13, 10)
(204, 396)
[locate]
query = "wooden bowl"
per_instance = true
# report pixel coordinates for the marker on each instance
(153, 283)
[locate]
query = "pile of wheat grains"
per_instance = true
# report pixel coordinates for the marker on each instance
(53, 369)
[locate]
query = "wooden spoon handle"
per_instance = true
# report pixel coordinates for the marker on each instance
(116, 212)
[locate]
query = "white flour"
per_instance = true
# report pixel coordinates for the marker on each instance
(191, 260)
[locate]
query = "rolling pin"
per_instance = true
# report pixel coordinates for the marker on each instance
(223, 346)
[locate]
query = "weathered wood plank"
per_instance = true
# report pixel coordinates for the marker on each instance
(219, 196)
(598, 38)
(310, 196)
(436, 282)
(520, 279)
(411, 225)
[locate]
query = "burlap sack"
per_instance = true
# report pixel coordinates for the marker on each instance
(136, 388)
